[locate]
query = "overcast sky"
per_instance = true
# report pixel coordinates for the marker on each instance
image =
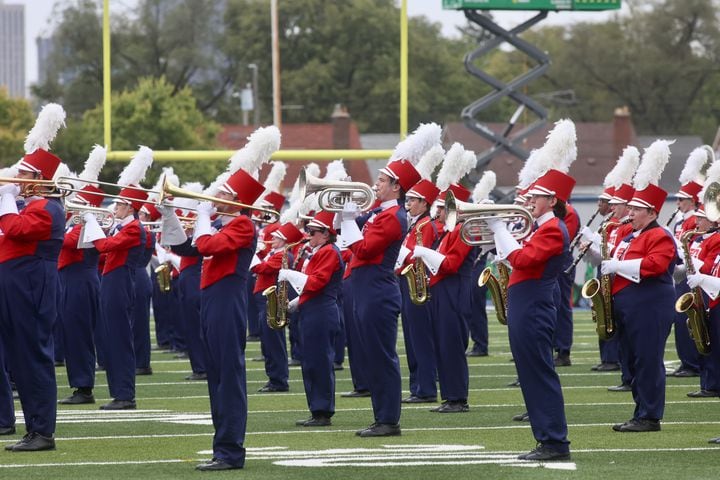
(38, 21)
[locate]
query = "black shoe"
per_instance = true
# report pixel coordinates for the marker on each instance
(253, 338)
(608, 367)
(523, 417)
(293, 362)
(59, 363)
(315, 421)
(356, 394)
(561, 361)
(78, 398)
(197, 376)
(714, 440)
(260, 359)
(516, 383)
(7, 430)
(215, 464)
(269, 388)
(543, 453)
(594, 368)
(32, 442)
(452, 407)
(704, 394)
(338, 366)
(181, 355)
(476, 353)
(380, 430)
(623, 387)
(638, 425)
(414, 399)
(685, 373)
(119, 405)
(143, 371)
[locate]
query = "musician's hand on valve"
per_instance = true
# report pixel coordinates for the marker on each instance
(350, 211)
(89, 218)
(205, 208)
(293, 305)
(10, 189)
(495, 224)
(283, 274)
(588, 236)
(609, 266)
(694, 280)
(165, 209)
(420, 252)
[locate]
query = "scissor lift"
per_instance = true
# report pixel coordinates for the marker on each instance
(513, 88)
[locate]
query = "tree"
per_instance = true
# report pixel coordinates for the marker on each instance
(153, 114)
(16, 120)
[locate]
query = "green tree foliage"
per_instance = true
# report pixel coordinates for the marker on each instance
(153, 114)
(16, 120)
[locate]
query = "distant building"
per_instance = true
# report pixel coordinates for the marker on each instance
(44, 50)
(12, 48)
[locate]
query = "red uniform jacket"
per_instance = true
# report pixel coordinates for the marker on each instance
(455, 251)
(378, 233)
(319, 269)
(429, 236)
(267, 271)
(528, 263)
(118, 246)
(30, 233)
(220, 250)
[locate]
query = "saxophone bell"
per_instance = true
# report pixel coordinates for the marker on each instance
(497, 286)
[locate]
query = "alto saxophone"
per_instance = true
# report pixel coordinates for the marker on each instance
(599, 292)
(497, 286)
(692, 302)
(277, 298)
(416, 275)
(164, 277)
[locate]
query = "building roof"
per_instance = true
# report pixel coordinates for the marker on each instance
(299, 136)
(679, 152)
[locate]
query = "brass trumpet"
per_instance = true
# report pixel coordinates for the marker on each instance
(31, 187)
(475, 231)
(105, 217)
(168, 190)
(333, 194)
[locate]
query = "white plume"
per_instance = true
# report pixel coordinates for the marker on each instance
(260, 146)
(64, 171)
(653, 163)
(429, 161)
(624, 169)
(295, 202)
(169, 173)
(134, 172)
(531, 171)
(452, 167)
(560, 148)
(93, 164)
(336, 171)
(9, 172)
(313, 169)
(188, 203)
(484, 186)
(693, 166)
(275, 177)
(214, 187)
(469, 162)
(417, 143)
(49, 121)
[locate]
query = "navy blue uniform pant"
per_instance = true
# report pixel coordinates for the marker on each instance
(273, 345)
(478, 318)
(710, 372)
(355, 354)
(80, 307)
(684, 345)
(117, 299)
(419, 344)
(223, 310)
(189, 297)
(564, 325)
(141, 318)
(7, 405)
(28, 309)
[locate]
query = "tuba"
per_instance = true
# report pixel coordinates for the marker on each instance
(333, 194)
(164, 277)
(599, 292)
(474, 231)
(692, 303)
(497, 286)
(416, 275)
(277, 298)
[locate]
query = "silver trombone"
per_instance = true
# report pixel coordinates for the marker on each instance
(334, 194)
(475, 231)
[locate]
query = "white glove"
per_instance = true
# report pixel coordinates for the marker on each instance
(260, 246)
(404, 252)
(172, 231)
(350, 211)
(255, 261)
(10, 189)
(609, 266)
(7, 204)
(174, 260)
(709, 283)
(296, 279)
(430, 257)
(91, 229)
(207, 208)
(160, 253)
(337, 221)
(293, 305)
(589, 236)
(495, 224)
(165, 209)
(694, 280)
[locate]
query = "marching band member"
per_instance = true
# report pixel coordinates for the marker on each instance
(531, 308)
(125, 250)
(564, 326)
(80, 290)
(29, 250)
(416, 322)
(143, 293)
(318, 286)
(273, 341)
(691, 181)
(643, 293)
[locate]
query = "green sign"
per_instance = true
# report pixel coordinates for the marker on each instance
(584, 5)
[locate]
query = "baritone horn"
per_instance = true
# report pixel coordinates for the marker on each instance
(333, 194)
(104, 216)
(170, 190)
(475, 231)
